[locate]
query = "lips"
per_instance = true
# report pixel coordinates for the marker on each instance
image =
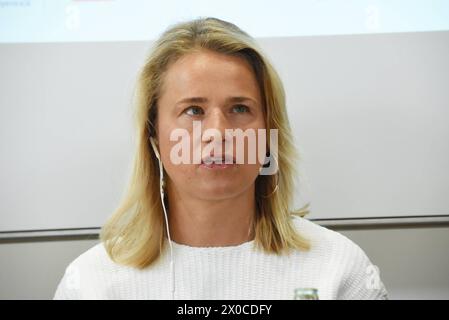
(224, 159)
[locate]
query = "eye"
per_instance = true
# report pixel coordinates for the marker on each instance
(240, 108)
(194, 111)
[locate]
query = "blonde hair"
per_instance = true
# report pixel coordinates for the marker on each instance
(135, 234)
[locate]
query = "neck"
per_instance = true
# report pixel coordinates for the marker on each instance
(199, 223)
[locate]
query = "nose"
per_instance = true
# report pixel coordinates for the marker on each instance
(218, 121)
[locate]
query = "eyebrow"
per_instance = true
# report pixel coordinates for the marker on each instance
(203, 100)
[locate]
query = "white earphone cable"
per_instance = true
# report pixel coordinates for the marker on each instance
(161, 189)
(172, 271)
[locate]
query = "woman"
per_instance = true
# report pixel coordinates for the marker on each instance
(222, 230)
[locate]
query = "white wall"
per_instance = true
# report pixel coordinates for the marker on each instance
(414, 262)
(369, 113)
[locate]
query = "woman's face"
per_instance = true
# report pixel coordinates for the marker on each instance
(214, 79)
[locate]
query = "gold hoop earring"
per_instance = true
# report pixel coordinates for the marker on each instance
(275, 188)
(277, 180)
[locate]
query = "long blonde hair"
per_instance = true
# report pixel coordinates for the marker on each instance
(135, 234)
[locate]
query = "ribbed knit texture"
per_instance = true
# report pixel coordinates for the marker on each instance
(334, 265)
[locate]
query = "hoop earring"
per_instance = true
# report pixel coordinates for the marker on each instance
(277, 180)
(275, 188)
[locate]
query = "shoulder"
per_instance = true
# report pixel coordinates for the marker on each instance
(94, 258)
(358, 277)
(85, 272)
(320, 236)
(96, 254)
(326, 244)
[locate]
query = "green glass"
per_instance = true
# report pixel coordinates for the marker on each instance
(306, 294)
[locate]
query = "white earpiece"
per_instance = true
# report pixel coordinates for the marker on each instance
(161, 168)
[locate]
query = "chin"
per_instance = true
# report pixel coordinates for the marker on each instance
(218, 192)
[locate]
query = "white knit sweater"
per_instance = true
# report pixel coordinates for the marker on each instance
(335, 266)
